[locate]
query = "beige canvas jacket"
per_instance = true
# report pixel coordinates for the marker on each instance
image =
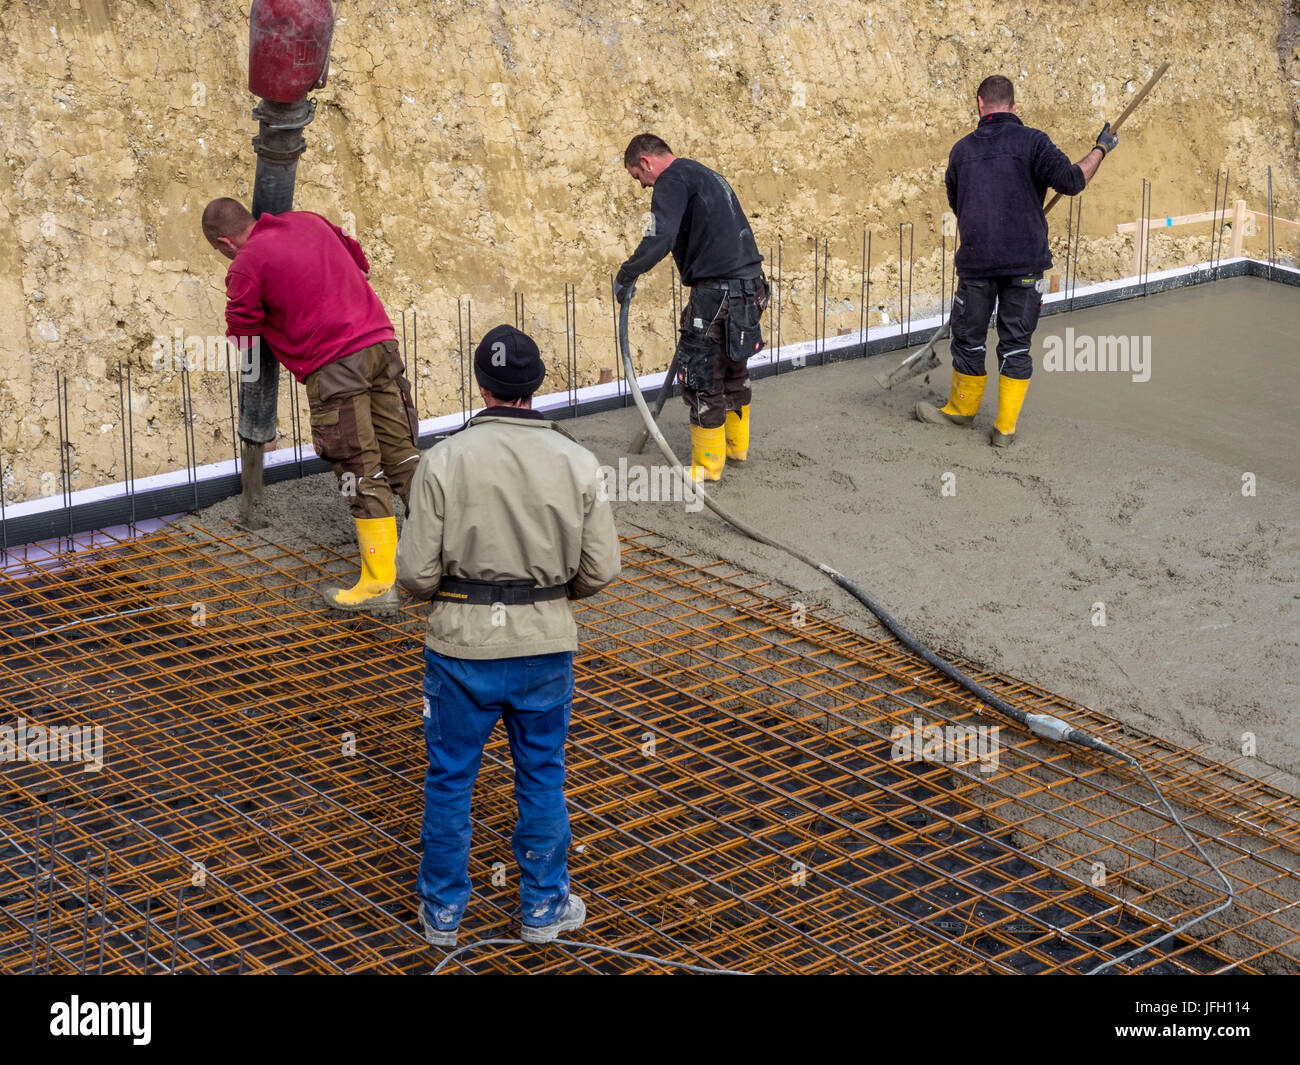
(509, 497)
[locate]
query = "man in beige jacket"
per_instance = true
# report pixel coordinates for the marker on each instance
(507, 522)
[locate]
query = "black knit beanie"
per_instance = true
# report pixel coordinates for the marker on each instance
(508, 364)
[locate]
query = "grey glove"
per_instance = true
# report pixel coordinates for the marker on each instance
(1106, 140)
(624, 291)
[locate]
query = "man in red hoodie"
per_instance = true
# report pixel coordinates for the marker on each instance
(301, 284)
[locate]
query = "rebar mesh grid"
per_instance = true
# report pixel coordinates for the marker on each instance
(733, 789)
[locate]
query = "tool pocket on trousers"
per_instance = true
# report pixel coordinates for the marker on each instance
(695, 358)
(326, 435)
(429, 691)
(744, 332)
(548, 681)
(695, 348)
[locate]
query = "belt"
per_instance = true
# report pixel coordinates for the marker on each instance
(508, 593)
(734, 285)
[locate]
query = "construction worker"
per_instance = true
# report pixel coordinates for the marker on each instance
(507, 521)
(696, 216)
(997, 177)
(302, 284)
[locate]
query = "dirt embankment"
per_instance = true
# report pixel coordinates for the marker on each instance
(474, 148)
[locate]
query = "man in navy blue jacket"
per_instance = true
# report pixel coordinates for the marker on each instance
(997, 178)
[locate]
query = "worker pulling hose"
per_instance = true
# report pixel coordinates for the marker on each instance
(1045, 726)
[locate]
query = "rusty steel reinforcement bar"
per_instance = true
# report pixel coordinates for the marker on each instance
(1046, 726)
(770, 751)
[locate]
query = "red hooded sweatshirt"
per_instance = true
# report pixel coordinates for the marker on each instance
(299, 282)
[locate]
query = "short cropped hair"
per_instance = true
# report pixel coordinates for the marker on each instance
(997, 90)
(225, 217)
(644, 144)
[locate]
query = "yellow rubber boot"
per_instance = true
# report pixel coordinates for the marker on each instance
(737, 428)
(964, 395)
(1011, 397)
(708, 453)
(374, 591)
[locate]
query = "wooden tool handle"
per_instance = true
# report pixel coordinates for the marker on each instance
(1141, 95)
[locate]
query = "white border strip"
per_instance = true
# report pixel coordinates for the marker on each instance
(789, 353)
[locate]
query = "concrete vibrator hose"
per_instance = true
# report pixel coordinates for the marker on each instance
(1045, 726)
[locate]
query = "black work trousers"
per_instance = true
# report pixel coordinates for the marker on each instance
(1018, 303)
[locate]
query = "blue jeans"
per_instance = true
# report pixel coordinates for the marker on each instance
(462, 700)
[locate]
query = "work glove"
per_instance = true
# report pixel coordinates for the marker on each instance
(624, 291)
(1106, 140)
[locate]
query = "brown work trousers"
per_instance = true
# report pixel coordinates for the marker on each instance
(364, 425)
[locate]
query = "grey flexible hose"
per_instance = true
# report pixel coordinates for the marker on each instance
(1045, 726)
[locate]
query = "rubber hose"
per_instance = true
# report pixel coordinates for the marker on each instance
(1044, 726)
(885, 618)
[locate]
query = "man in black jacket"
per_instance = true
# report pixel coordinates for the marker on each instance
(696, 216)
(997, 178)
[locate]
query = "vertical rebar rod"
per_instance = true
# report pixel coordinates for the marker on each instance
(1070, 264)
(1069, 241)
(780, 285)
(65, 475)
(867, 300)
(230, 395)
(816, 283)
(943, 267)
(1146, 244)
(618, 355)
(415, 369)
(1270, 222)
(1078, 239)
(676, 310)
(4, 520)
(301, 442)
(570, 362)
(1214, 214)
(67, 449)
(191, 441)
(130, 426)
(185, 410)
(900, 277)
(460, 350)
(911, 258)
(862, 293)
(826, 279)
(1218, 254)
(1143, 235)
(406, 361)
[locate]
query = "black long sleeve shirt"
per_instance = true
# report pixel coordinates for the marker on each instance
(697, 217)
(997, 177)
